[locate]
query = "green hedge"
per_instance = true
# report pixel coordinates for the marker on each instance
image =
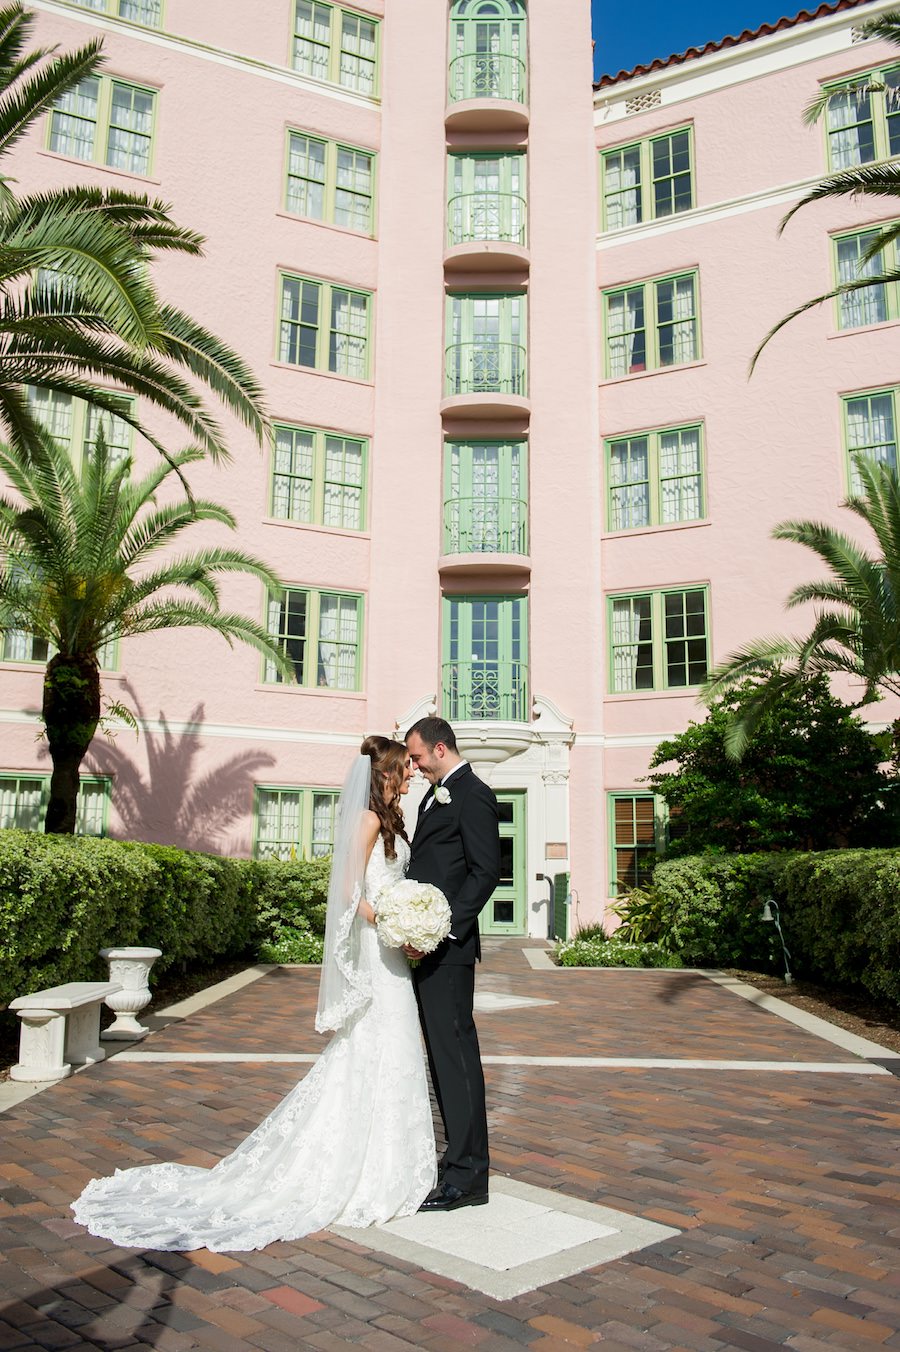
(63, 898)
(840, 913)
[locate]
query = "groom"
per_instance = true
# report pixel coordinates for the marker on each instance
(456, 847)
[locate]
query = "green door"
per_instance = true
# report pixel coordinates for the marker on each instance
(505, 912)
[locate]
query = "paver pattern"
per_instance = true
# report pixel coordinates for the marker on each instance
(785, 1186)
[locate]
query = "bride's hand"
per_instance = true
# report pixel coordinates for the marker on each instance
(413, 953)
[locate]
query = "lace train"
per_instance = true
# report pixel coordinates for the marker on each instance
(352, 1143)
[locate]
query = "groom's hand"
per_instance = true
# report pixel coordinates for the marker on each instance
(413, 953)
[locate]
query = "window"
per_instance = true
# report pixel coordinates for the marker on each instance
(318, 478)
(870, 422)
(106, 121)
(652, 324)
(486, 497)
(292, 822)
(23, 803)
(655, 478)
(647, 180)
(486, 198)
(486, 345)
(485, 674)
(862, 119)
(146, 12)
(487, 50)
(637, 835)
(872, 304)
(321, 633)
(658, 640)
(335, 44)
(329, 182)
(324, 327)
(76, 424)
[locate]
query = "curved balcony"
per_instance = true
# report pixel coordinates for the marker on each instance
(485, 536)
(487, 91)
(485, 691)
(486, 233)
(485, 380)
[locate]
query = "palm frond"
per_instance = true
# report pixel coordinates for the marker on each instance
(844, 289)
(221, 369)
(870, 180)
(23, 103)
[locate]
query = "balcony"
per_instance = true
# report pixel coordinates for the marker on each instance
(485, 691)
(485, 536)
(486, 233)
(487, 91)
(486, 380)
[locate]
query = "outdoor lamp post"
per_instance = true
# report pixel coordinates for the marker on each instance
(771, 912)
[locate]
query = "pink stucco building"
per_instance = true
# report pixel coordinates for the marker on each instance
(518, 473)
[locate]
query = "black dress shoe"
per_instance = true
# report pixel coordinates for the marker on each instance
(446, 1197)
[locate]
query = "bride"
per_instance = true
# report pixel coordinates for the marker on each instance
(353, 1143)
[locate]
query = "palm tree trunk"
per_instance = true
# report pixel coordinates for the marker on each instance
(71, 711)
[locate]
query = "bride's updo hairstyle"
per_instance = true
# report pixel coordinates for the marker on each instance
(388, 764)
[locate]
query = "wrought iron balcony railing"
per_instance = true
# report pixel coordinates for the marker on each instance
(487, 75)
(485, 526)
(474, 217)
(486, 368)
(476, 691)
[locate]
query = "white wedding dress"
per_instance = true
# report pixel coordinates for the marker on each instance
(352, 1144)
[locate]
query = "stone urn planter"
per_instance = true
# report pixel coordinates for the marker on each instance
(131, 968)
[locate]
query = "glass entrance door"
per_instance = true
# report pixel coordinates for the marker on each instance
(505, 912)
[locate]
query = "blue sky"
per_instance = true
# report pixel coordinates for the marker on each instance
(631, 34)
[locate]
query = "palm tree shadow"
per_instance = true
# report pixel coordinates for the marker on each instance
(168, 803)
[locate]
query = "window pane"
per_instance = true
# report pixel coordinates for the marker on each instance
(680, 491)
(299, 321)
(868, 305)
(353, 191)
(685, 638)
(851, 131)
(306, 176)
(671, 158)
(344, 465)
(312, 39)
(147, 12)
(871, 430)
(338, 642)
(634, 834)
(358, 53)
(676, 321)
(21, 803)
(130, 129)
(626, 332)
(348, 346)
(287, 624)
(622, 187)
(632, 643)
(293, 460)
(278, 823)
(629, 475)
(323, 812)
(73, 126)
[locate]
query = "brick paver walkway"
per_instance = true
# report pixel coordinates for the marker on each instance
(784, 1185)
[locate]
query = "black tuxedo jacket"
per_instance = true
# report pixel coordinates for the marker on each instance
(456, 847)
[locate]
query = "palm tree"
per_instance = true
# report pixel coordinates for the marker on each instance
(865, 180)
(75, 554)
(77, 302)
(857, 633)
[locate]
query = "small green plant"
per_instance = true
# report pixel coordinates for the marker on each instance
(293, 945)
(645, 918)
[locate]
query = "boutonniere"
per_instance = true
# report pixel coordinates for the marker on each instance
(442, 795)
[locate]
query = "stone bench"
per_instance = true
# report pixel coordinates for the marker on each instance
(60, 1029)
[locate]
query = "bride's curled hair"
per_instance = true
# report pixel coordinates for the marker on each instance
(388, 764)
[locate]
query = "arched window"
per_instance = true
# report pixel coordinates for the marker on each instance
(487, 50)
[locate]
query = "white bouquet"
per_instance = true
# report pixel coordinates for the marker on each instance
(412, 913)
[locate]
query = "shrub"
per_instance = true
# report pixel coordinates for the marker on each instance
(293, 945)
(710, 908)
(602, 952)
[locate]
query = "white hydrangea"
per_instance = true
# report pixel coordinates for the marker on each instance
(412, 913)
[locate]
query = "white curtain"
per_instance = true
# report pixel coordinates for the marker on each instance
(323, 823)
(292, 477)
(626, 631)
(20, 804)
(868, 306)
(349, 326)
(338, 638)
(625, 321)
(629, 476)
(313, 39)
(131, 126)
(679, 474)
(358, 54)
(684, 330)
(850, 128)
(278, 823)
(343, 483)
(622, 185)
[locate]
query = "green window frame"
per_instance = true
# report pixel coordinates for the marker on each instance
(637, 837)
(147, 13)
(647, 180)
(652, 325)
(330, 182)
(324, 326)
(321, 632)
(23, 802)
(655, 478)
(337, 45)
(487, 344)
(486, 497)
(107, 121)
(291, 822)
(485, 669)
(658, 640)
(486, 197)
(318, 478)
(873, 304)
(870, 429)
(862, 118)
(488, 53)
(74, 423)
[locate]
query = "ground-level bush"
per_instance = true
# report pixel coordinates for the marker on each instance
(595, 951)
(63, 898)
(840, 913)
